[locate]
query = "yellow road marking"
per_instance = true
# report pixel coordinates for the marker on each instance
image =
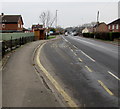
(114, 75)
(102, 84)
(80, 59)
(66, 97)
(88, 69)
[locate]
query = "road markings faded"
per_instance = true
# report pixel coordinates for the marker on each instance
(87, 56)
(72, 50)
(107, 90)
(74, 46)
(88, 69)
(75, 54)
(80, 59)
(114, 75)
(66, 97)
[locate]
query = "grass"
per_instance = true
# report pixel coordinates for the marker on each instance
(51, 37)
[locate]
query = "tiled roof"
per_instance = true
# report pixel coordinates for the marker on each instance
(115, 22)
(10, 18)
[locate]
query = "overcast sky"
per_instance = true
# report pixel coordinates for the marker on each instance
(69, 13)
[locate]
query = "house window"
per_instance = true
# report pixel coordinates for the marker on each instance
(117, 26)
(18, 25)
(109, 27)
(113, 27)
(21, 26)
(3, 25)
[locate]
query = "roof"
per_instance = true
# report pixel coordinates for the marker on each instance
(99, 24)
(37, 26)
(115, 22)
(10, 18)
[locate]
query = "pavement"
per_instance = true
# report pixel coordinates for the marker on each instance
(86, 69)
(23, 85)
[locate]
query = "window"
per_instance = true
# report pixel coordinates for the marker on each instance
(18, 25)
(3, 25)
(21, 26)
(117, 27)
(109, 27)
(113, 27)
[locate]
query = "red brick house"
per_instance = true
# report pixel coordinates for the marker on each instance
(114, 26)
(11, 23)
(100, 27)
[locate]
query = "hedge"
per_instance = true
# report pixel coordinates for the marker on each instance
(104, 36)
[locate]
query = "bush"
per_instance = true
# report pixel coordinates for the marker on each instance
(103, 35)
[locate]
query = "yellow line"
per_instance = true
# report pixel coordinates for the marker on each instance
(80, 59)
(88, 69)
(66, 97)
(114, 75)
(102, 84)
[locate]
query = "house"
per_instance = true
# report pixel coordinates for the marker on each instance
(11, 23)
(87, 30)
(38, 26)
(39, 31)
(100, 27)
(114, 26)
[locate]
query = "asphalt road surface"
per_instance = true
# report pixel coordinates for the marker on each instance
(87, 69)
(23, 86)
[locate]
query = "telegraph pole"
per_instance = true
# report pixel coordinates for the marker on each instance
(56, 18)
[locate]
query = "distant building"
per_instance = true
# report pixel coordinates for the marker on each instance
(38, 26)
(11, 23)
(100, 27)
(114, 26)
(85, 30)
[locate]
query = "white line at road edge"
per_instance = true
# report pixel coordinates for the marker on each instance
(66, 97)
(87, 56)
(114, 75)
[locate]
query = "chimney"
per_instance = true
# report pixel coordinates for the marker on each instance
(2, 14)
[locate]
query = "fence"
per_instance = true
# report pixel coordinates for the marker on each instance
(7, 36)
(9, 45)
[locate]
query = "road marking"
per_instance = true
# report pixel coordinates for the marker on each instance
(65, 39)
(114, 75)
(75, 54)
(88, 69)
(80, 59)
(66, 97)
(74, 46)
(102, 84)
(72, 50)
(88, 56)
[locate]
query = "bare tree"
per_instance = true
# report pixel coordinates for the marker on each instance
(46, 19)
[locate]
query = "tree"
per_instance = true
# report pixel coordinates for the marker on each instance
(46, 19)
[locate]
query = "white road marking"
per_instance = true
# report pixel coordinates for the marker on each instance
(80, 59)
(65, 39)
(87, 56)
(74, 46)
(114, 75)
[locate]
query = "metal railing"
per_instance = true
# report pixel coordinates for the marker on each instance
(9, 45)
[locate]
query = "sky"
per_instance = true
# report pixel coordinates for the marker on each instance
(70, 12)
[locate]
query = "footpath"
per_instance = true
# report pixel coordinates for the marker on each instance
(21, 86)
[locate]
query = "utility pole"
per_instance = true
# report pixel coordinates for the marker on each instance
(56, 18)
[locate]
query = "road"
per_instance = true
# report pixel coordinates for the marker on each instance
(22, 85)
(86, 69)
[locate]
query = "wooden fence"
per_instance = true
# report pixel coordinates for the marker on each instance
(9, 45)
